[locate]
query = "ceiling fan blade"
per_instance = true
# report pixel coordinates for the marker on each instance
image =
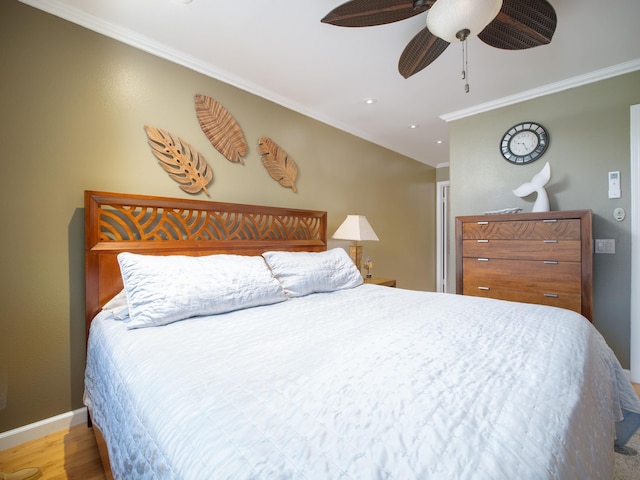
(521, 24)
(367, 13)
(423, 49)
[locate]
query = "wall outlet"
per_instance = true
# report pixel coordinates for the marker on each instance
(605, 245)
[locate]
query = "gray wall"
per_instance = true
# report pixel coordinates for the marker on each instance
(442, 174)
(73, 105)
(589, 129)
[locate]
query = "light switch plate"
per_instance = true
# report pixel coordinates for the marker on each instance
(605, 245)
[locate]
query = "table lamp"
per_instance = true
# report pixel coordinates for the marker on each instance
(355, 228)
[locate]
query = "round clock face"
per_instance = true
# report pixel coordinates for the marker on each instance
(523, 143)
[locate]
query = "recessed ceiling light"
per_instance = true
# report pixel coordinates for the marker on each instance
(369, 101)
(413, 126)
(438, 142)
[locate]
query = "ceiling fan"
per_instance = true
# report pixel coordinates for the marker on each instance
(505, 24)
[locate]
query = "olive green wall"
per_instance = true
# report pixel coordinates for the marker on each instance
(589, 130)
(74, 104)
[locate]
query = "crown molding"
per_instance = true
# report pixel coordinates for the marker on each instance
(573, 82)
(141, 42)
(161, 50)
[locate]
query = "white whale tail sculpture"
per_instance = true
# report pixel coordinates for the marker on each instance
(537, 184)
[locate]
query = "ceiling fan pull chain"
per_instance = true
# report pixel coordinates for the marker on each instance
(465, 65)
(462, 35)
(464, 73)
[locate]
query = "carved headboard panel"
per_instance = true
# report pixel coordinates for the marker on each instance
(143, 224)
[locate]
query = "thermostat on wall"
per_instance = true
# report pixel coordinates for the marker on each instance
(614, 184)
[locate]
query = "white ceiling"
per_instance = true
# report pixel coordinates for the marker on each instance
(280, 50)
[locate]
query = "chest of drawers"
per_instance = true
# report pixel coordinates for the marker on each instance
(543, 258)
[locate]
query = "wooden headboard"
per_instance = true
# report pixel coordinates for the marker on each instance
(143, 224)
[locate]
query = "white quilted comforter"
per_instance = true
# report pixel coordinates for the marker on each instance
(367, 383)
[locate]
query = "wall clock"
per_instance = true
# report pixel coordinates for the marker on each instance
(524, 143)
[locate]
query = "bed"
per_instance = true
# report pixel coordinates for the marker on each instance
(228, 342)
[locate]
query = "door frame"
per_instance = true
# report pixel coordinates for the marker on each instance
(634, 337)
(442, 235)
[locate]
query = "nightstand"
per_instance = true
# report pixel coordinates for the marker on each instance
(387, 282)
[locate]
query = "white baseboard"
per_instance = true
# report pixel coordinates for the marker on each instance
(44, 427)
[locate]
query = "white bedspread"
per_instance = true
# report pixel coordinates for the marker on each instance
(368, 383)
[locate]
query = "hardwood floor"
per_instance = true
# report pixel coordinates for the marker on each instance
(69, 454)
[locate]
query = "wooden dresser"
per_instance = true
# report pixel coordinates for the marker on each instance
(543, 258)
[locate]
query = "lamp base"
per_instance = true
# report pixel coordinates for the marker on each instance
(355, 252)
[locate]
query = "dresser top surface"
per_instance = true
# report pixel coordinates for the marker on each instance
(530, 216)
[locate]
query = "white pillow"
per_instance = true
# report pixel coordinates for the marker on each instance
(118, 306)
(165, 289)
(117, 301)
(302, 273)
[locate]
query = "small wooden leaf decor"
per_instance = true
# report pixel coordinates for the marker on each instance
(221, 128)
(180, 160)
(278, 163)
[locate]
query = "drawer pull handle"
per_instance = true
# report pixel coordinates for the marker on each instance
(483, 241)
(550, 241)
(483, 259)
(483, 288)
(483, 223)
(550, 220)
(551, 295)
(550, 262)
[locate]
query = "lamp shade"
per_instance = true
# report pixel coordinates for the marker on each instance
(447, 17)
(356, 228)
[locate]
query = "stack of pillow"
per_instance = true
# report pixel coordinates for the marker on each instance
(159, 290)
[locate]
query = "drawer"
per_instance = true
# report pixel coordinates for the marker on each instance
(565, 229)
(563, 278)
(557, 285)
(559, 250)
(568, 301)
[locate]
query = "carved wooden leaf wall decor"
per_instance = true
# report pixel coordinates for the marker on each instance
(183, 164)
(221, 128)
(279, 164)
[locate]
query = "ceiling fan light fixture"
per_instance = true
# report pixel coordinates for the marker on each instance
(448, 17)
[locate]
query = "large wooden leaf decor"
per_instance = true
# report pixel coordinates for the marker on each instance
(278, 163)
(221, 128)
(183, 164)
